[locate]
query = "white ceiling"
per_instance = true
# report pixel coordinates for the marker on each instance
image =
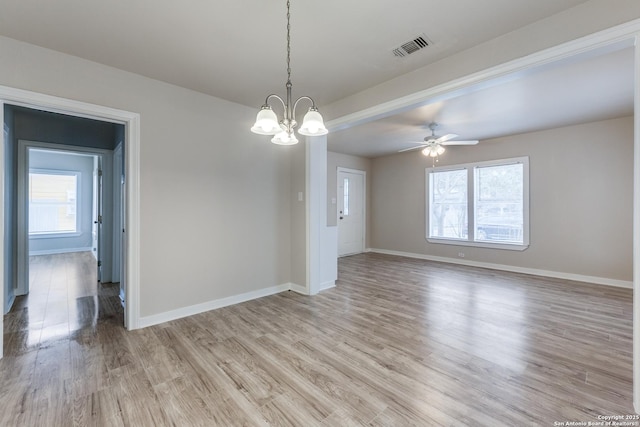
(236, 50)
(589, 87)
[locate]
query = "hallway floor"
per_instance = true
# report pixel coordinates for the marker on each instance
(64, 298)
(65, 307)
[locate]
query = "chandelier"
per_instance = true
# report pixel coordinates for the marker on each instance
(267, 122)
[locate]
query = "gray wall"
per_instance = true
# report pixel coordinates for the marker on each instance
(581, 183)
(67, 162)
(215, 199)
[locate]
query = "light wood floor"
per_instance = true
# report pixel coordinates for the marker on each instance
(398, 342)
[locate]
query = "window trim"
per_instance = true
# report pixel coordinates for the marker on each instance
(471, 179)
(58, 234)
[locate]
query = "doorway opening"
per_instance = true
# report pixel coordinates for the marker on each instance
(69, 211)
(130, 122)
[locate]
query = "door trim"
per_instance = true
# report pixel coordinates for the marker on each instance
(131, 121)
(364, 203)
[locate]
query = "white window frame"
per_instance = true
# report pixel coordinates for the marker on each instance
(58, 234)
(471, 178)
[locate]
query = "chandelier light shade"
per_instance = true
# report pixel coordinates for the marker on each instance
(267, 122)
(312, 124)
(284, 138)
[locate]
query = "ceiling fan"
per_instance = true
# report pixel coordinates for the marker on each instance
(433, 145)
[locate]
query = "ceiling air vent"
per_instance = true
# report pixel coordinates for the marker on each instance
(411, 46)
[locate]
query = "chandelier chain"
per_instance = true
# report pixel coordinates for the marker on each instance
(267, 122)
(288, 41)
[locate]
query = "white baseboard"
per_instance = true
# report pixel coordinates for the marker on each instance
(224, 302)
(298, 288)
(513, 269)
(59, 251)
(8, 304)
(210, 305)
(303, 290)
(327, 285)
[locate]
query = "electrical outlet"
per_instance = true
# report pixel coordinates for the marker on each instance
(461, 254)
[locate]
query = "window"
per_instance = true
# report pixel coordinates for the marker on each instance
(480, 204)
(53, 203)
(448, 213)
(499, 203)
(345, 208)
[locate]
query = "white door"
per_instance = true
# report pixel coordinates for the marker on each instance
(9, 293)
(3, 253)
(97, 212)
(350, 211)
(117, 213)
(118, 219)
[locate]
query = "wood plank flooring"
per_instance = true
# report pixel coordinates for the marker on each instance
(398, 342)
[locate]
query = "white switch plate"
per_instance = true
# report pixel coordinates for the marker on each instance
(333, 201)
(300, 196)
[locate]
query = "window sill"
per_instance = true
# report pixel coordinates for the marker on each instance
(53, 235)
(489, 245)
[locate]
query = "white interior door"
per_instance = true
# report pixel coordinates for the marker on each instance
(97, 212)
(350, 211)
(9, 293)
(117, 213)
(5, 283)
(118, 220)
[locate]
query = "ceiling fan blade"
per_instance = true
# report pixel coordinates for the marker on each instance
(446, 137)
(412, 148)
(460, 142)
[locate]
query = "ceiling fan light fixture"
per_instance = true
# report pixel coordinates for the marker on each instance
(433, 146)
(433, 150)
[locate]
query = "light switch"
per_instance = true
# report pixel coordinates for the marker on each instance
(333, 201)
(300, 196)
